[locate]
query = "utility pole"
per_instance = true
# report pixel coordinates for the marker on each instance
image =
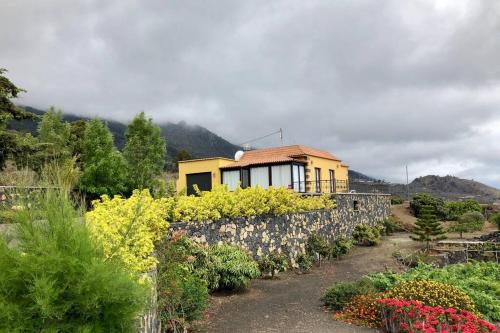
(281, 136)
(407, 185)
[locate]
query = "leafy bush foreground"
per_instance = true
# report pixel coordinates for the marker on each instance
(57, 279)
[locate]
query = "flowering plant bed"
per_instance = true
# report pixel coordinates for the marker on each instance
(414, 317)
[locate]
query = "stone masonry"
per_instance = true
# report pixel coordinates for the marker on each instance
(288, 233)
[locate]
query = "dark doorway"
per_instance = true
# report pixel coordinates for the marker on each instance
(203, 180)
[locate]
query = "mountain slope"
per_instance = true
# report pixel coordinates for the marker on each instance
(358, 176)
(197, 140)
(449, 187)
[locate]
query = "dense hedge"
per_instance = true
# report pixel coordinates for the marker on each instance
(252, 201)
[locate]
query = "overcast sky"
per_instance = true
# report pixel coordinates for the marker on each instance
(379, 83)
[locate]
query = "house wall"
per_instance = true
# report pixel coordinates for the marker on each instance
(202, 165)
(288, 233)
(325, 165)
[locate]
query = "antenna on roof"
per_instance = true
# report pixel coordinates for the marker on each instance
(280, 132)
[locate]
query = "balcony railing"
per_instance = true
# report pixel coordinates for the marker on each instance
(322, 186)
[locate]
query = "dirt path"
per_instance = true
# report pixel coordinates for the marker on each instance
(292, 304)
(402, 212)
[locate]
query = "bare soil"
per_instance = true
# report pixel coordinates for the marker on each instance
(292, 303)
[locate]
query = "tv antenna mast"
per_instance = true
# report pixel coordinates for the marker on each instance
(280, 132)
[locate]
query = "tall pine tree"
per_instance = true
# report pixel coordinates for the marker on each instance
(104, 169)
(428, 228)
(144, 152)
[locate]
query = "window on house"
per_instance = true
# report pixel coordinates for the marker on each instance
(259, 177)
(281, 176)
(332, 181)
(317, 177)
(245, 181)
(231, 179)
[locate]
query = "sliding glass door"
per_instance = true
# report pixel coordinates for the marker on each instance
(298, 174)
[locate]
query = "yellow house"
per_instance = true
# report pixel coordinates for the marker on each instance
(298, 168)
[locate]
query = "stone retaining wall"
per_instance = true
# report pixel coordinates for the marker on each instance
(288, 233)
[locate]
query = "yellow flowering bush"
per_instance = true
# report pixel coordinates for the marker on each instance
(252, 201)
(129, 228)
(432, 293)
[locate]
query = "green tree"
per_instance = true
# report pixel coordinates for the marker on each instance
(468, 222)
(54, 135)
(9, 139)
(104, 169)
(455, 209)
(424, 199)
(144, 152)
(427, 228)
(182, 155)
(77, 134)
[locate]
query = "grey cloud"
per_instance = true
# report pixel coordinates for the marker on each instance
(380, 83)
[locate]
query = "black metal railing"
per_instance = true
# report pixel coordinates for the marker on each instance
(369, 187)
(321, 186)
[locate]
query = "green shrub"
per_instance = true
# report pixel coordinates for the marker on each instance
(495, 219)
(58, 280)
(432, 293)
(365, 235)
(389, 226)
(7, 216)
(455, 209)
(340, 247)
(479, 280)
(413, 259)
(182, 292)
(305, 262)
(341, 293)
(229, 267)
(423, 199)
(182, 296)
(317, 246)
(468, 222)
(396, 200)
(273, 263)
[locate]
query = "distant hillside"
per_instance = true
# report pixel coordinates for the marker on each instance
(449, 187)
(197, 140)
(358, 176)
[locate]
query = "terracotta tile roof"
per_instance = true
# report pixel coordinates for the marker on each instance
(278, 155)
